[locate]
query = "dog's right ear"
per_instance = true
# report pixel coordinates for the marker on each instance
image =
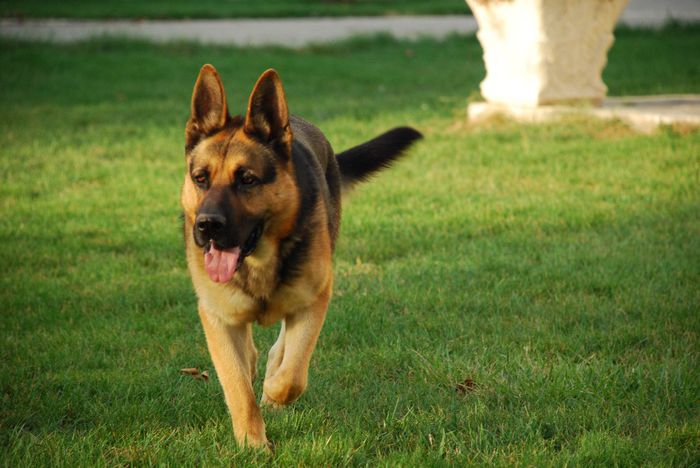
(209, 112)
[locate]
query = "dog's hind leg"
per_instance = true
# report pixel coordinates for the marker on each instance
(292, 353)
(233, 353)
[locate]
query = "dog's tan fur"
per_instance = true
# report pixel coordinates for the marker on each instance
(266, 140)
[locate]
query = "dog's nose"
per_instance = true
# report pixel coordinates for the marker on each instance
(210, 224)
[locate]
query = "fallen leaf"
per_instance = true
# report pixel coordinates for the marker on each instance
(468, 386)
(195, 373)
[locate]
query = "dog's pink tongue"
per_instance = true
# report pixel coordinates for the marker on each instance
(221, 264)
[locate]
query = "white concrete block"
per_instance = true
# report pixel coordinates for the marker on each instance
(541, 52)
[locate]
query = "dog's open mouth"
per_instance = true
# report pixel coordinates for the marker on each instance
(252, 242)
(221, 264)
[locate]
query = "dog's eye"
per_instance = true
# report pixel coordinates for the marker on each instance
(248, 179)
(200, 179)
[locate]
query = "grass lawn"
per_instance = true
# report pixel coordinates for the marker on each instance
(225, 8)
(508, 294)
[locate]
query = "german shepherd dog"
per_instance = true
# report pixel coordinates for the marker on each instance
(261, 201)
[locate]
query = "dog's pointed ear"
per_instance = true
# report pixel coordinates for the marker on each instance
(208, 112)
(267, 118)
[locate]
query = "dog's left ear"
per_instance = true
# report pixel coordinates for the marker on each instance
(267, 118)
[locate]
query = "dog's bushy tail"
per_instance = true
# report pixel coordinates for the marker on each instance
(360, 162)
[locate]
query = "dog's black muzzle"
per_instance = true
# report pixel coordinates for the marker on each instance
(215, 227)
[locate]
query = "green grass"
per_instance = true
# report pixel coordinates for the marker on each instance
(225, 9)
(557, 266)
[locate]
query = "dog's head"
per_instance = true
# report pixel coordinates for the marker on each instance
(239, 187)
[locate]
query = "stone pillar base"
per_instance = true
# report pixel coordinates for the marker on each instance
(642, 113)
(541, 52)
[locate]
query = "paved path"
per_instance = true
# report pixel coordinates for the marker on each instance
(290, 32)
(297, 32)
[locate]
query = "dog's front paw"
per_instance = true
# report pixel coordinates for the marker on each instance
(281, 389)
(250, 432)
(268, 402)
(255, 442)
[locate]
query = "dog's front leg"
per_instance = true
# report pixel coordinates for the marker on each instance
(288, 363)
(231, 348)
